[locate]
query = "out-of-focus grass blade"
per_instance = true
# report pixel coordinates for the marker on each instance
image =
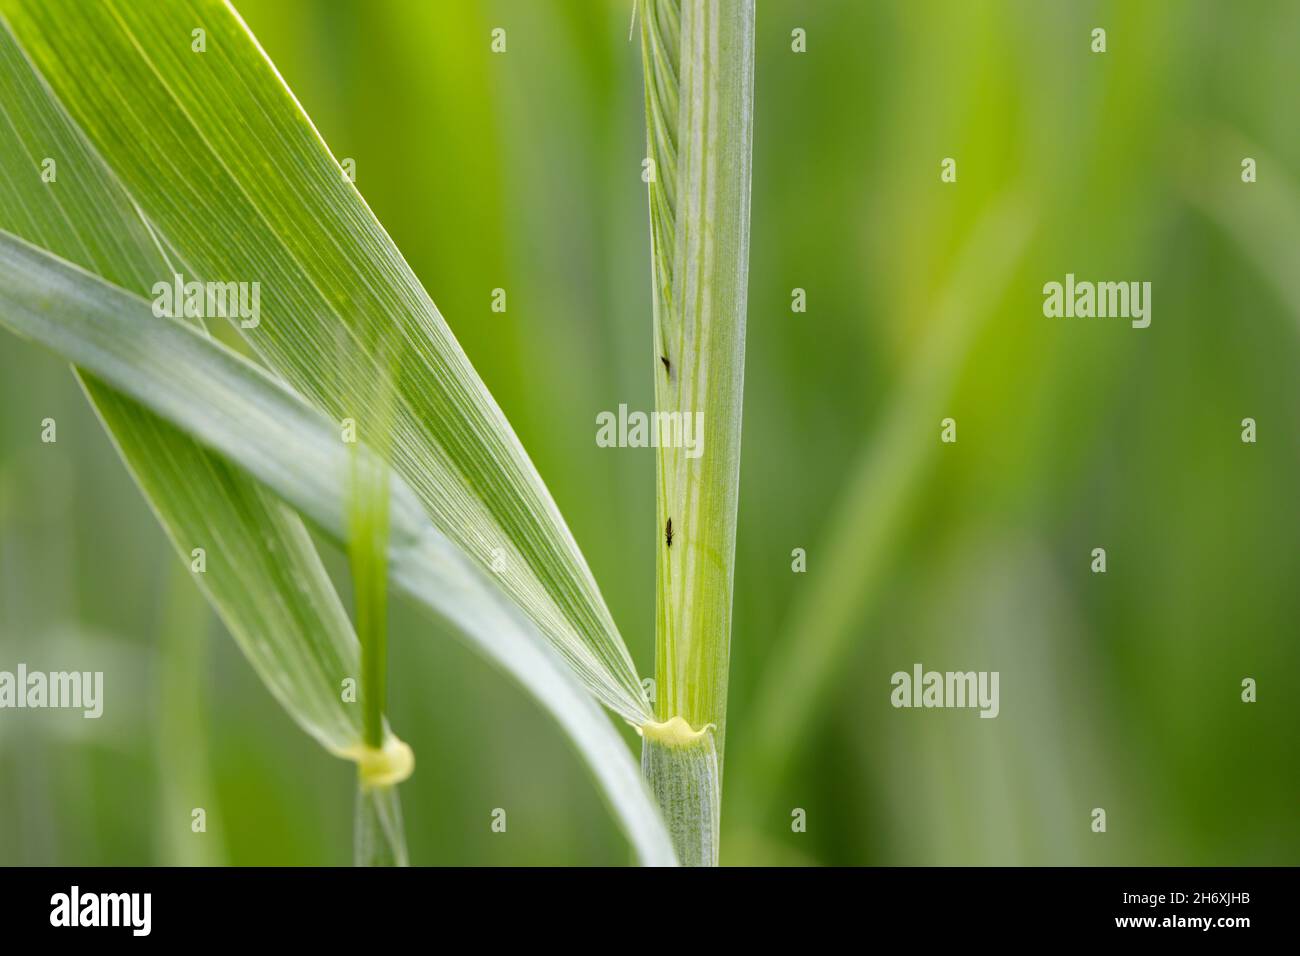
(866, 520)
(1262, 217)
(223, 163)
(181, 727)
(240, 412)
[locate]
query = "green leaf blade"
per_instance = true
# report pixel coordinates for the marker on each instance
(227, 168)
(238, 411)
(261, 572)
(260, 567)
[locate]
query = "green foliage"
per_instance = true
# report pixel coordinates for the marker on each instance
(469, 502)
(522, 171)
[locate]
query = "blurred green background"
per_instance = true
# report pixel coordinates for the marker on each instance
(522, 171)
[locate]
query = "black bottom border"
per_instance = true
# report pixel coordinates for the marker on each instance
(371, 906)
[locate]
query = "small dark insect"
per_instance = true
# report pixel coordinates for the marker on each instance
(668, 532)
(668, 366)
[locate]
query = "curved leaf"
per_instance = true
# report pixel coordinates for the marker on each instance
(240, 412)
(260, 570)
(227, 169)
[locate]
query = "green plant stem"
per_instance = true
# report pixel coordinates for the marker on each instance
(684, 778)
(378, 834)
(699, 73)
(368, 547)
(379, 838)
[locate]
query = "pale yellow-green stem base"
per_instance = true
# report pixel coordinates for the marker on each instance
(384, 766)
(681, 766)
